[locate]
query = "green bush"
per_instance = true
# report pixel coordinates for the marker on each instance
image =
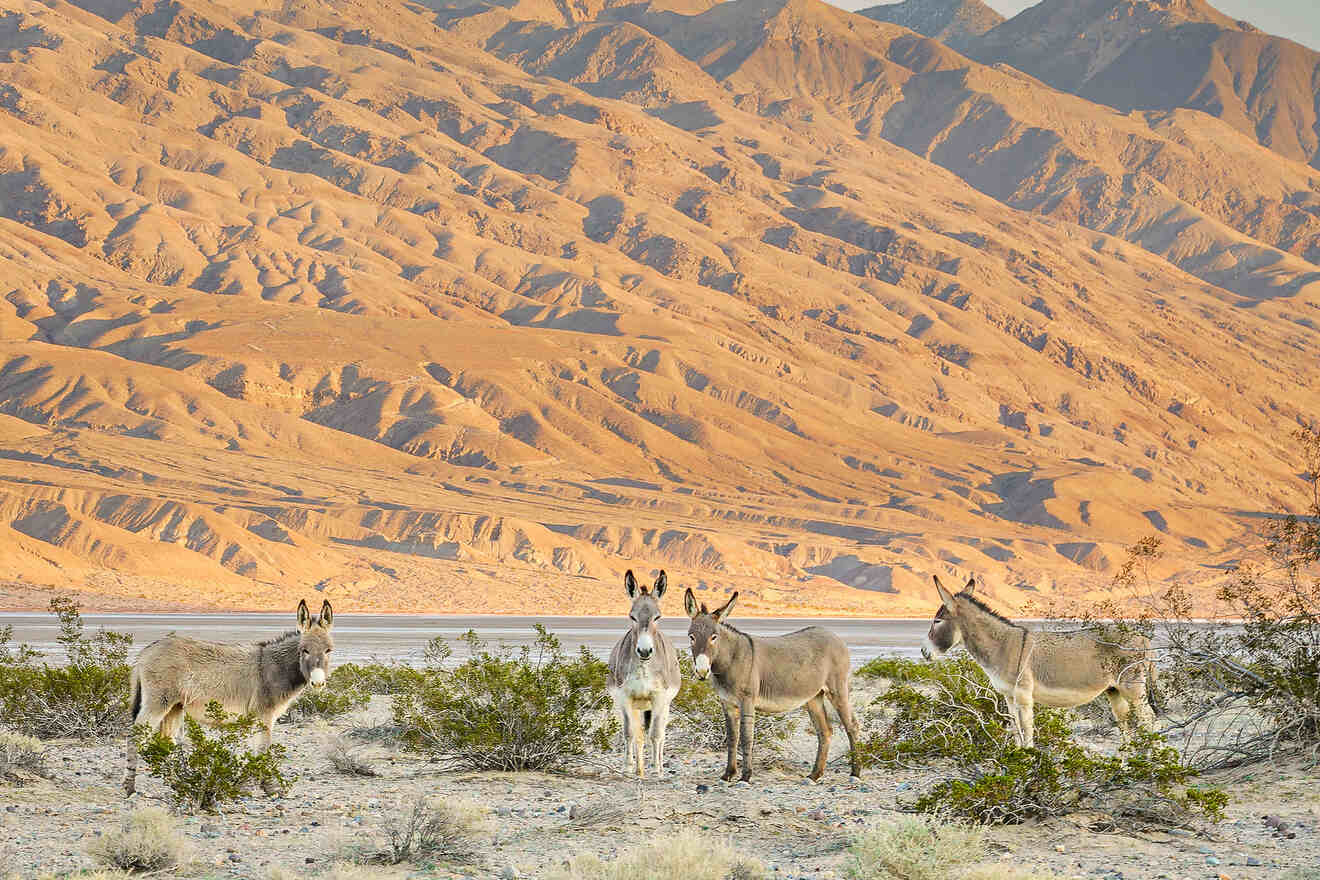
(204, 771)
(378, 679)
(531, 709)
(84, 697)
(696, 718)
(947, 712)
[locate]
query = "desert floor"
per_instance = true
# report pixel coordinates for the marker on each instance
(796, 828)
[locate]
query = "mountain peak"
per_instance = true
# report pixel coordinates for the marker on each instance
(956, 23)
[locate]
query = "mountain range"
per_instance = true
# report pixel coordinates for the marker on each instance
(469, 306)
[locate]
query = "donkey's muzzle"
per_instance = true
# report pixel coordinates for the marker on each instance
(645, 653)
(925, 653)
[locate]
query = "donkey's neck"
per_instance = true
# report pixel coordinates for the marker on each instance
(994, 643)
(736, 644)
(279, 668)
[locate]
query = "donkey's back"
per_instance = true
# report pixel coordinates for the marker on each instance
(794, 667)
(189, 673)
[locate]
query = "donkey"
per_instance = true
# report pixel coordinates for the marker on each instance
(643, 677)
(776, 675)
(1053, 669)
(175, 675)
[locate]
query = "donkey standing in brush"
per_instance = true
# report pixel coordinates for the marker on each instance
(643, 677)
(175, 675)
(1053, 669)
(776, 674)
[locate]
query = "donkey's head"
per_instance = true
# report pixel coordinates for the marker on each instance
(945, 630)
(645, 612)
(315, 642)
(704, 631)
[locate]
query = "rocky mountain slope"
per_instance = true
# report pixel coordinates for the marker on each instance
(470, 306)
(1166, 54)
(955, 23)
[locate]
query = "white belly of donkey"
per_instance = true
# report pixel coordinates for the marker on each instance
(638, 690)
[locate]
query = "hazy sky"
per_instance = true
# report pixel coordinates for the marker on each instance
(1298, 20)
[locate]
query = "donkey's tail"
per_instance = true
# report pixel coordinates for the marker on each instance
(1154, 695)
(137, 699)
(646, 721)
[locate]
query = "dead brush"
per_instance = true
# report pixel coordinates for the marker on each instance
(421, 831)
(148, 842)
(21, 754)
(347, 758)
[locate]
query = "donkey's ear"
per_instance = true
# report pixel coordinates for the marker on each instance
(945, 596)
(690, 604)
(722, 612)
(630, 584)
(304, 616)
(327, 615)
(971, 585)
(660, 584)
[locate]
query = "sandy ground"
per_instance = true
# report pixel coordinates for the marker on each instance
(795, 827)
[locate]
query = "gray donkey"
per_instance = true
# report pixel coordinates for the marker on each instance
(643, 676)
(1053, 669)
(776, 674)
(175, 675)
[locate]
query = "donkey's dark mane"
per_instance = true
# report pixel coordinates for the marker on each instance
(283, 637)
(988, 610)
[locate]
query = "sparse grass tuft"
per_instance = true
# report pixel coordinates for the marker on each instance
(338, 871)
(421, 830)
(20, 753)
(915, 849)
(687, 855)
(148, 842)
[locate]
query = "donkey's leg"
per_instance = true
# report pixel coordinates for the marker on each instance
(731, 730)
(821, 723)
(627, 737)
(267, 734)
(636, 741)
(748, 727)
(1118, 703)
(659, 723)
(151, 712)
(1024, 714)
(843, 706)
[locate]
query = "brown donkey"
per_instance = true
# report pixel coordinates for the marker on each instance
(775, 674)
(175, 675)
(1053, 669)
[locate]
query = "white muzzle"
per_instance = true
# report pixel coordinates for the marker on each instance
(645, 646)
(701, 663)
(928, 649)
(317, 677)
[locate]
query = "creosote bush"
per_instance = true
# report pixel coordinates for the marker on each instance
(687, 855)
(84, 697)
(535, 708)
(148, 842)
(21, 754)
(421, 831)
(205, 769)
(696, 718)
(947, 712)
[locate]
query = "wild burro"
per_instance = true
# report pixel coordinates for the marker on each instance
(775, 674)
(176, 674)
(1053, 669)
(643, 677)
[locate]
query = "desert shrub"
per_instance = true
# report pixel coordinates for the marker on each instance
(147, 842)
(341, 870)
(347, 758)
(535, 708)
(422, 830)
(696, 718)
(20, 753)
(948, 713)
(204, 770)
(335, 699)
(914, 849)
(686, 854)
(84, 697)
(382, 679)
